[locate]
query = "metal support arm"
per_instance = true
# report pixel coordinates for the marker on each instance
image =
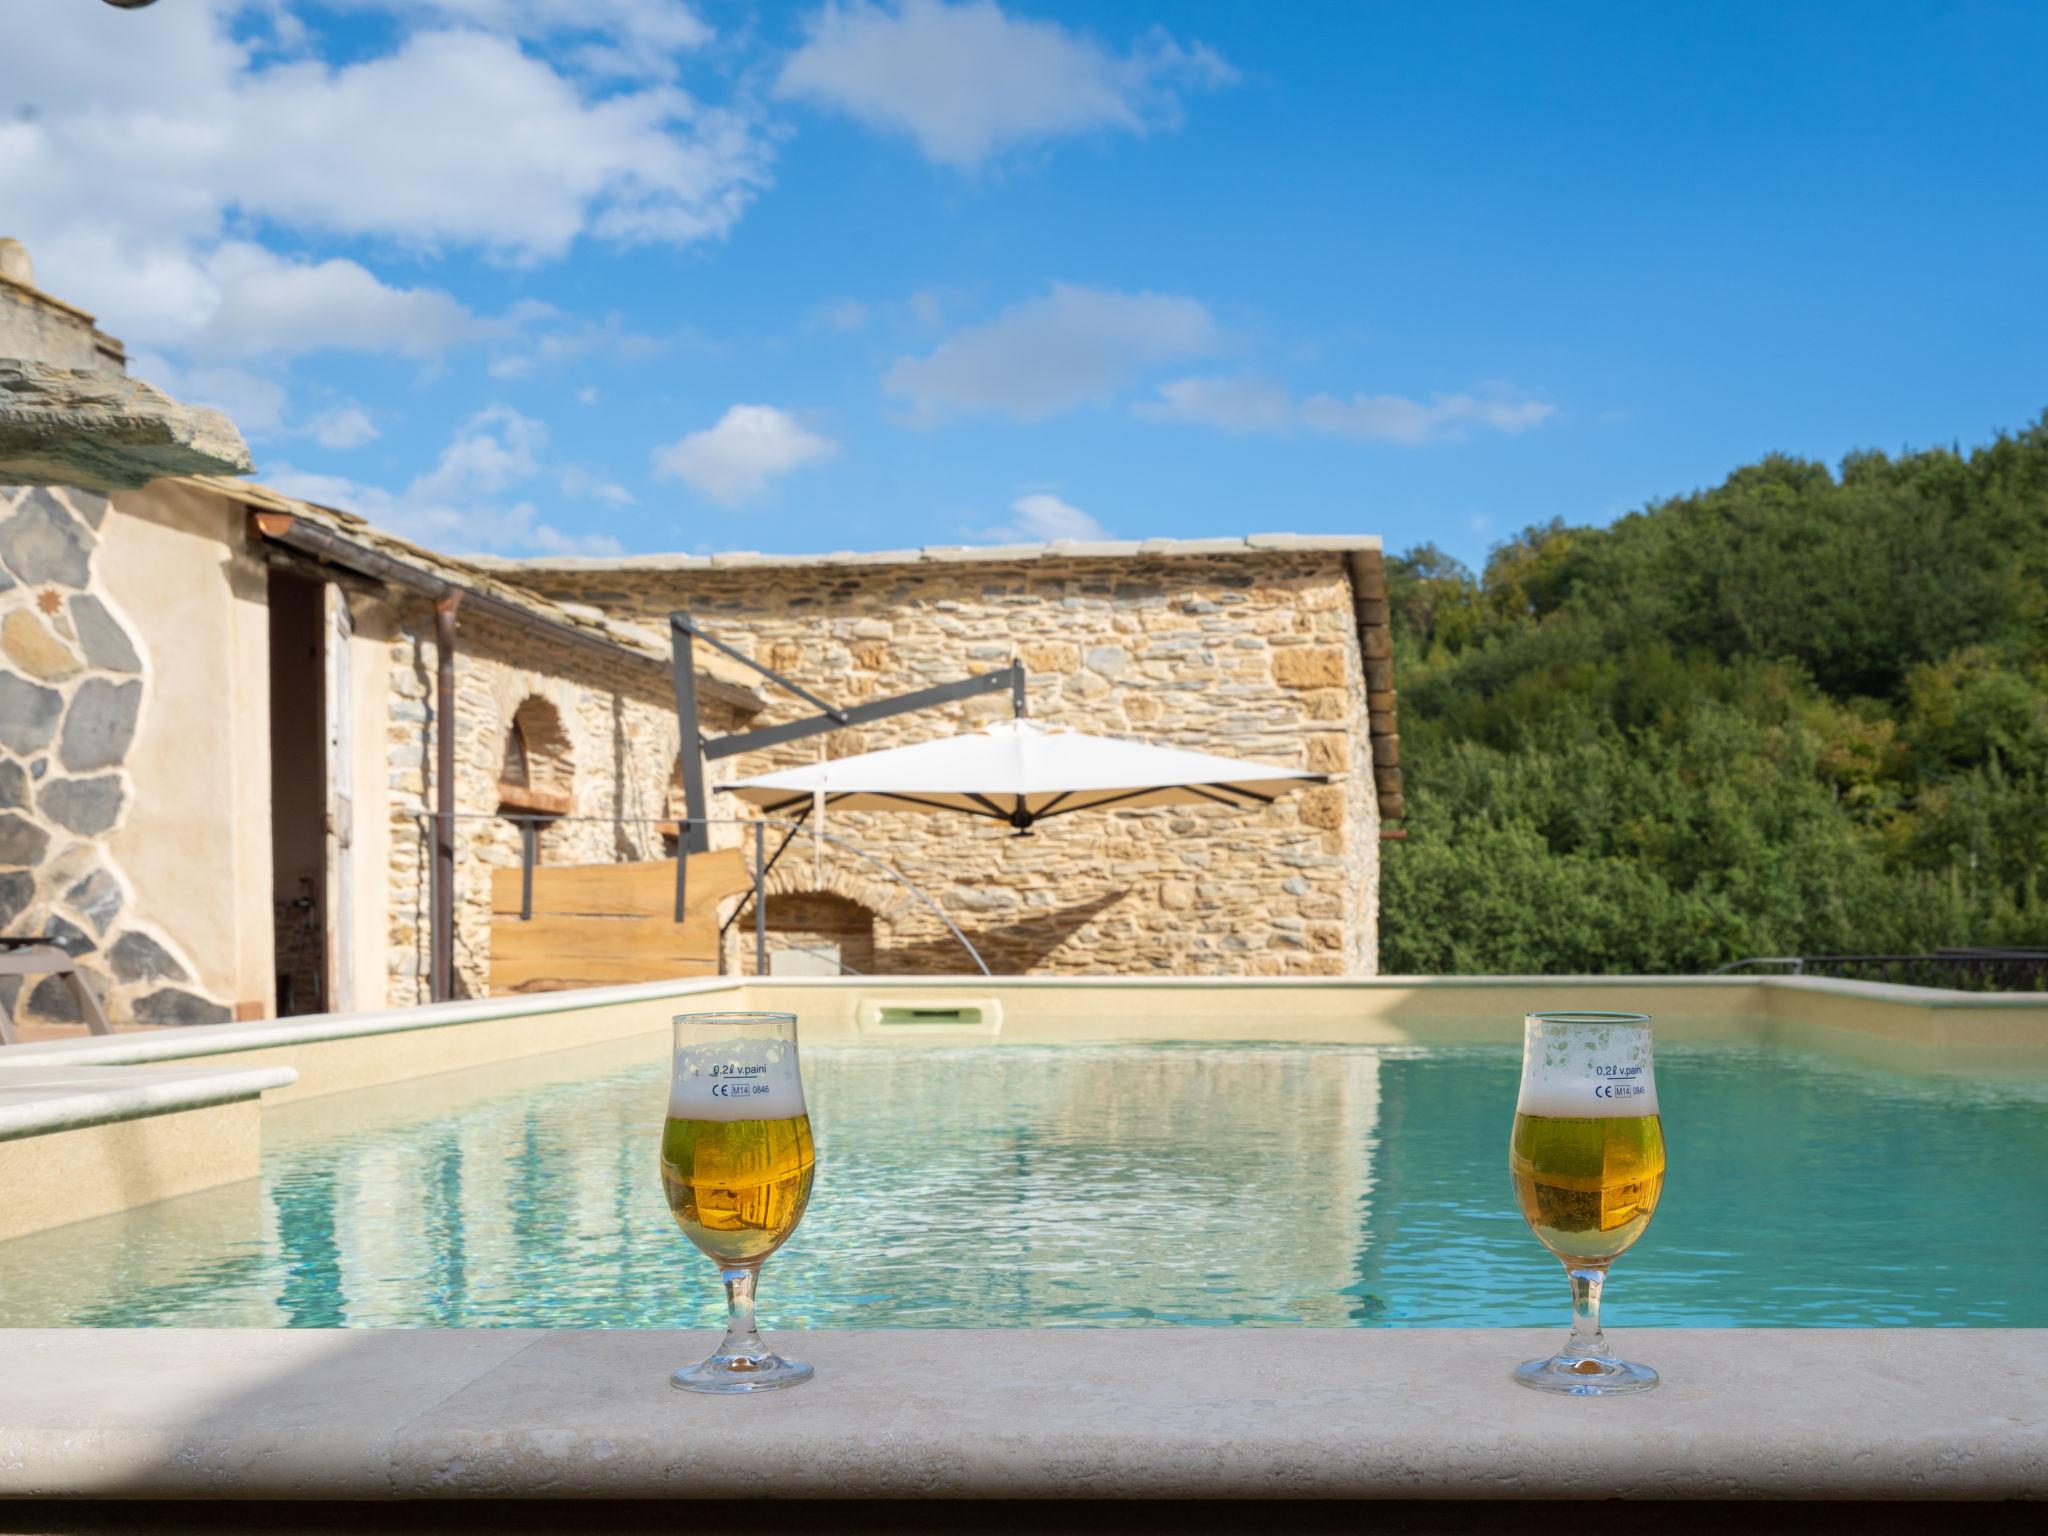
(684, 631)
(682, 623)
(1010, 678)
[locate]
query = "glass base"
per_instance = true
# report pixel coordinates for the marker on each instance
(759, 1370)
(1584, 1375)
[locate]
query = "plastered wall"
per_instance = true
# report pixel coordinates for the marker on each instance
(132, 742)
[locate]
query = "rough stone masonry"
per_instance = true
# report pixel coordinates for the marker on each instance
(1218, 646)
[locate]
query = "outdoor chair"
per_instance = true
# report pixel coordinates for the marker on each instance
(42, 957)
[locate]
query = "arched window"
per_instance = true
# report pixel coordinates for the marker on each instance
(536, 774)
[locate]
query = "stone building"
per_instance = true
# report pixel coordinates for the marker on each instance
(218, 714)
(222, 712)
(1272, 648)
(218, 749)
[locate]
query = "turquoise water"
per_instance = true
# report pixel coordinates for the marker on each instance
(1093, 1185)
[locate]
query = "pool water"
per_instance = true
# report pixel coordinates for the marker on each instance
(1094, 1185)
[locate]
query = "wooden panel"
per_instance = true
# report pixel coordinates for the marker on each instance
(549, 953)
(604, 924)
(623, 890)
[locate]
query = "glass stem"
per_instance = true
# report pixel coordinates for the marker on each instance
(741, 1337)
(1586, 1342)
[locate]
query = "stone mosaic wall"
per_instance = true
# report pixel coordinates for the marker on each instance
(618, 719)
(73, 688)
(1252, 655)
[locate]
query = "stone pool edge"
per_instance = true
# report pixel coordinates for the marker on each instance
(1019, 1414)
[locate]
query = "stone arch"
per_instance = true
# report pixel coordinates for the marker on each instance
(835, 884)
(800, 874)
(819, 927)
(536, 703)
(537, 754)
(536, 766)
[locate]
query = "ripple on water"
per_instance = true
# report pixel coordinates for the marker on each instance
(1104, 1186)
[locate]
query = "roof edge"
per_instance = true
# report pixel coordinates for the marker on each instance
(507, 601)
(953, 554)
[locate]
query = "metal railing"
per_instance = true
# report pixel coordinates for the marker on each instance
(1968, 970)
(531, 823)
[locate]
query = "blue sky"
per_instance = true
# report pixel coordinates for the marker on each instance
(558, 276)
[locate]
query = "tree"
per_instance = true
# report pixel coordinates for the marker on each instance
(1799, 712)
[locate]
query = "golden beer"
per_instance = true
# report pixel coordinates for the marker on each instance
(1587, 1187)
(738, 1188)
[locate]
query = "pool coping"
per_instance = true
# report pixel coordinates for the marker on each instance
(44, 1087)
(220, 1039)
(258, 1034)
(36, 1100)
(1159, 1413)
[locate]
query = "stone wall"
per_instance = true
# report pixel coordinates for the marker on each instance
(74, 684)
(1252, 655)
(819, 924)
(618, 718)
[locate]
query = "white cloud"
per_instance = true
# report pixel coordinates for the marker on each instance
(333, 491)
(1232, 403)
(608, 336)
(1049, 354)
(1246, 403)
(1396, 419)
(258, 303)
(614, 37)
(253, 401)
(346, 426)
(750, 446)
(585, 485)
(968, 81)
(459, 505)
(842, 315)
(497, 448)
(142, 147)
(1042, 518)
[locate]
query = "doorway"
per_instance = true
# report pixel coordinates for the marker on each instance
(298, 792)
(815, 933)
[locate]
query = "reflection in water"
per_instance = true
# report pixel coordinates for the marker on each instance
(1324, 1185)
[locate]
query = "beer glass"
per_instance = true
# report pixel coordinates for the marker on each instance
(736, 1165)
(1587, 1159)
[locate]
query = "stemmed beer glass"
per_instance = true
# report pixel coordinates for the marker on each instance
(1587, 1158)
(736, 1164)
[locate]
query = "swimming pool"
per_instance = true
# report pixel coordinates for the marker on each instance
(1092, 1185)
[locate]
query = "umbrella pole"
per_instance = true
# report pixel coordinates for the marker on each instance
(761, 896)
(774, 858)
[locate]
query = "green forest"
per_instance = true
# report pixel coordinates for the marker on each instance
(1800, 713)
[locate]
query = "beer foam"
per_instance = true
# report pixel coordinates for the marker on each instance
(1587, 1072)
(736, 1080)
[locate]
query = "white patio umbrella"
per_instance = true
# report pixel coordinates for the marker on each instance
(1020, 772)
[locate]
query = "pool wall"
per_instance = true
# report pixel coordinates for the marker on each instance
(73, 1174)
(96, 1125)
